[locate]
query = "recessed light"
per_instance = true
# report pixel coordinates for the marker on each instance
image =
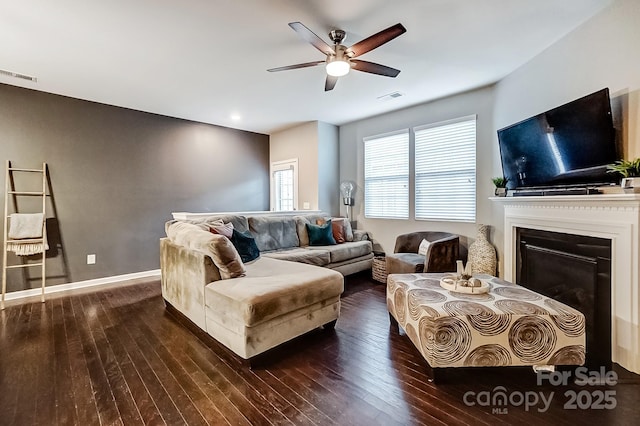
(235, 117)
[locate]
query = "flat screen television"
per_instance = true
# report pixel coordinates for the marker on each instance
(567, 146)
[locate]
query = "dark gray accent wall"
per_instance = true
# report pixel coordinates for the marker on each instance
(117, 174)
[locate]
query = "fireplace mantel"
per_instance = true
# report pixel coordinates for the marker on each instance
(611, 216)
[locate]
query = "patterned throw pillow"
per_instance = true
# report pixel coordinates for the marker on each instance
(225, 229)
(321, 235)
(424, 247)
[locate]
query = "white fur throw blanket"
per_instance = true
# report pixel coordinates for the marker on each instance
(24, 226)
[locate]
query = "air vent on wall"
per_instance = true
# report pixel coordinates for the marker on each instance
(16, 75)
(389, 96)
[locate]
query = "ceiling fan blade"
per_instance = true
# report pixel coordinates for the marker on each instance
(374, 68)
(296, 66)
(376, 40)
(330, 83)
(310, 37)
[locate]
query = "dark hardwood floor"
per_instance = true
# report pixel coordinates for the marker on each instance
(116, 356)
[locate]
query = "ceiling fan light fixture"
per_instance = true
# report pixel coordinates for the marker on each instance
(340, 59)
(338, 68)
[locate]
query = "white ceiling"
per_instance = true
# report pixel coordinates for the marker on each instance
(205, 60)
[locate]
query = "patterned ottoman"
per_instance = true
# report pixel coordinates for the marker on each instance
(510, 325)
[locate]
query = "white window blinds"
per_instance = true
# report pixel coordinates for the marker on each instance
(386, 176)
(445, 170)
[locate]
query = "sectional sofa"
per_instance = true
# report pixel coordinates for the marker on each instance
(292, 288)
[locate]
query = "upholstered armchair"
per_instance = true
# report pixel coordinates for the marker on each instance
(442, 253)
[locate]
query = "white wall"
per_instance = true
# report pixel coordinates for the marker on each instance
(603, 52)
(384, 231)
(299, 142)
(315, 145)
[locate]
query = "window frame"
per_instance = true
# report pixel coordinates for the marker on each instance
(404, 175)
(276, 166)
(465, 152)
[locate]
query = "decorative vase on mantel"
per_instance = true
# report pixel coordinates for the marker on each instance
(482, 254)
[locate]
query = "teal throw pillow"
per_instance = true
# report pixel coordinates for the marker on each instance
(246, 246)
(320, 235)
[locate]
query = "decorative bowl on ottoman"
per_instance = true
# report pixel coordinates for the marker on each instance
(462, 285)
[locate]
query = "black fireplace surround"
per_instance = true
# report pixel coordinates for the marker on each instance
(575, 270)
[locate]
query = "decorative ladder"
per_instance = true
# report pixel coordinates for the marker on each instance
(10, 190)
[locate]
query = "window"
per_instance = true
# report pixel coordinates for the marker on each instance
(284, 185)
(386, 176)
(445, 170)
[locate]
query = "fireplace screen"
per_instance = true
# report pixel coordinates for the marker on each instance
(575, 270)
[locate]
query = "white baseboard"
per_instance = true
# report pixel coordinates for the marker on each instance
(21, 294)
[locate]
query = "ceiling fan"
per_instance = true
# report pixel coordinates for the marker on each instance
(341, 59)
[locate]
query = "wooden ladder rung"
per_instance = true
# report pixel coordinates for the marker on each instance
(13, 169)
(27, 240)
(26, 265)
(25, 193)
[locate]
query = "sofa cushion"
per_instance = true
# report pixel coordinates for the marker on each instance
(217, 247)
(335, 265)
(246, 245)
(345, 251)
(274, 232)
(404, 263)
(298, 254)
(272, 288)
(320, 235)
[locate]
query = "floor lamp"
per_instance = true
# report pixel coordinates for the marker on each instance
(346, 189)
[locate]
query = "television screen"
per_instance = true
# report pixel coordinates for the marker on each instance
(570, 145)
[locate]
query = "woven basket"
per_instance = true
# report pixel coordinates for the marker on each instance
(379, 269)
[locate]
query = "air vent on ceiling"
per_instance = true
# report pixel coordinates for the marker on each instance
(16, 75)
(390, 96)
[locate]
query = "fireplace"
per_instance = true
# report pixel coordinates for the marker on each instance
(612, 217)
(575, 270)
